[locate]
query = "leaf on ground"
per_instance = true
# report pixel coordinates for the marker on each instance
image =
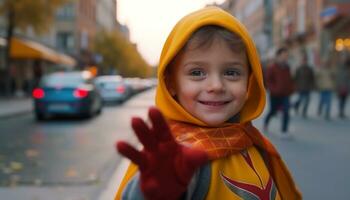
(31, 153)
(15, 177)
(38, 182)
(71, 173)
(16, 166)
(92, 177)
(6, 170)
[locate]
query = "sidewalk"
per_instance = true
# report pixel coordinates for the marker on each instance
(85, 192)
(15, 106)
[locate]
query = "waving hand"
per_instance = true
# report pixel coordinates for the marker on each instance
(166, 167)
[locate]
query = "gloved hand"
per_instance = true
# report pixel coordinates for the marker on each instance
(166, 167)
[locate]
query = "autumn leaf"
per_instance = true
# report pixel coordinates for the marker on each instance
(31, 153)
(16, 166)
(37, 182)
(71, 173)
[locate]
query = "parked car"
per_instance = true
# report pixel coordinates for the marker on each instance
(135, 84)
(113, 88)
(67, 93)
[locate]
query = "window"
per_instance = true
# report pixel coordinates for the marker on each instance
(65, 41)
(66, 12)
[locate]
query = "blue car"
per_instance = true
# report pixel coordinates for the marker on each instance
(67, 93)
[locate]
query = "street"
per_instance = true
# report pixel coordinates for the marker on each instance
(75, 158)
(65, 155)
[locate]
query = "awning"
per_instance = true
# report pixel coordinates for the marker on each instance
(66, 60)
(26, 49)
(333, 12)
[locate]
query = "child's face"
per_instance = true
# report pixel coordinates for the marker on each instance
(211, 83)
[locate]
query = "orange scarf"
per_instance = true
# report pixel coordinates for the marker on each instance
(224, 141)
(219, 142)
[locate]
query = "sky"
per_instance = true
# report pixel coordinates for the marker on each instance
(150, 21)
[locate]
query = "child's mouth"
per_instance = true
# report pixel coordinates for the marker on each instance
(214, 103)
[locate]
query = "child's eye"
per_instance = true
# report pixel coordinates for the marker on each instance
(197, 72)
(232, 73)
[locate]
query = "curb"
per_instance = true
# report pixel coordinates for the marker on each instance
(114, 182)
(14, 114)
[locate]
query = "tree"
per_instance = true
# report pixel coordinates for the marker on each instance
(106, 45)
(120, 54)
(23, 14)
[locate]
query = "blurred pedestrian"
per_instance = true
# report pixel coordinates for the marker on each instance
(343, 86)
(264, 65)
(305, 82)
(325, 80)
(281, 85)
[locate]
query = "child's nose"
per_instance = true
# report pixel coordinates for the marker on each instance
(215, 84)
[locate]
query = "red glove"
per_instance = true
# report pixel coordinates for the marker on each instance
(166, 167)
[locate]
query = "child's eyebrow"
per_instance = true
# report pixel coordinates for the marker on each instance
(203, 63)
(196, 63)
(235, 63)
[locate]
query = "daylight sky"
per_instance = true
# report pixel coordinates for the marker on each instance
(150, 21)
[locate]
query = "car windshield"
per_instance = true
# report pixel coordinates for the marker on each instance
(63, 80)
(109, 84)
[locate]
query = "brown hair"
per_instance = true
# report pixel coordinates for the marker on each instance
(204, 38)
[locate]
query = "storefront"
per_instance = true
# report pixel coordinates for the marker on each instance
(336, 35)
(31, 60)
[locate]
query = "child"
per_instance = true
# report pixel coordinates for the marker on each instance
(210, 88)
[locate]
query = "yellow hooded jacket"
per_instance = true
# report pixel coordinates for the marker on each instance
(240, 175)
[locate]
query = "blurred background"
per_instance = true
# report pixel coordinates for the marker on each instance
(73, 73)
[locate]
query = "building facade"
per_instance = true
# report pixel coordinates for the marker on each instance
(106, 15)
(76, 25)
(335, 22)
(73, 32)
(318, 28)
(251, 14)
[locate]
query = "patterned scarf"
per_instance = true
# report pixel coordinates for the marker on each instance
(219, 142)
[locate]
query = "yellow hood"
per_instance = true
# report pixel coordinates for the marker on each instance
(177, 39)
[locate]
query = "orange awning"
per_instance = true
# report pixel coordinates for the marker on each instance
(66, 60)
(26, 49)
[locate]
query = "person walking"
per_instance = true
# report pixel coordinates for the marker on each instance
(305, 82)
(343, 86)
(325, 83)
(280, 83)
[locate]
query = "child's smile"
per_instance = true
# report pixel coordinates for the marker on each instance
(214, 103)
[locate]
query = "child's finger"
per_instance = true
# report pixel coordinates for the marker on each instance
(130, 152)
(143, 133)
(160, 126)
